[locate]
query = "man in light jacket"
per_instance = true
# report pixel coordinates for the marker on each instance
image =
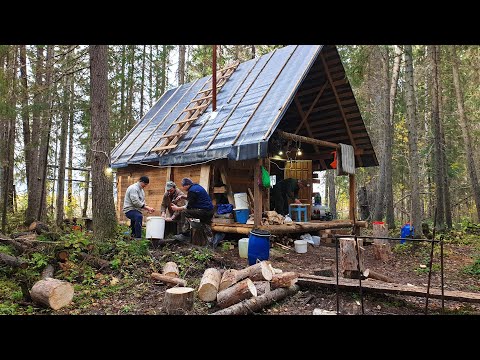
(134, 204)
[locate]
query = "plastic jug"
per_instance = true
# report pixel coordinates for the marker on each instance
(243, 248)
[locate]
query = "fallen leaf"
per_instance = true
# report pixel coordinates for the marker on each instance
(423, 266)
(379, 307)
(114, 281)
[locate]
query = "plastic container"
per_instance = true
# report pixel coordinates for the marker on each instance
(301, 246)
(241, 200)
(243, 248)
(155, 227)
(258, 246)
(241, 215)
(407, 231)
(316, 240)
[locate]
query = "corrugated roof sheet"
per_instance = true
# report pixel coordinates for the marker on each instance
(249, 108)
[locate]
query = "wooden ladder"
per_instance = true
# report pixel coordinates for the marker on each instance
(179, 127)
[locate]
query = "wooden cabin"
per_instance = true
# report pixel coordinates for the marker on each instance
(294, 97)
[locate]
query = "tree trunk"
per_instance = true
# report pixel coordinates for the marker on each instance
(181, 64)
(45, 127)
(52, 293)
(63, 155)
(178, 300)
(208, 289)
(87, 183)
(466, 131)
(103, 209)
(70, 147)
(436, 121)
(34, 189)
(142, 81)
(389, 133)
(415, 211)
(332, 201)
(25, 114)
(122, 92)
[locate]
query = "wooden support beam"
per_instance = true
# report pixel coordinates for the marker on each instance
(257, 193)
(205, 177)
(352, 200)
(223, 176)
(305, 116)
(307, 140)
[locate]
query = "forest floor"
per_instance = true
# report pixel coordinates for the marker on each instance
(128, 289)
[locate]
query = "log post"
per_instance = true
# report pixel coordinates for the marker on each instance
(52, 293)
(178, 300)
(381, 248)
(348, 257)
(170, 269)
(208, 289)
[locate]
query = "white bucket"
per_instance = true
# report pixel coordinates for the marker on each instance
(241, 200)
(155, 227)
(243, 248)
(301, 246)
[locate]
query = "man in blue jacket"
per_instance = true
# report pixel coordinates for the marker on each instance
(199, 206)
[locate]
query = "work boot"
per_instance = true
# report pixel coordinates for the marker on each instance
(182, 237)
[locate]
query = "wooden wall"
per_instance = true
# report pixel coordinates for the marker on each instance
(239, 176)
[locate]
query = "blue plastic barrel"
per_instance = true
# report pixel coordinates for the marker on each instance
(258, 246)
(407, 231)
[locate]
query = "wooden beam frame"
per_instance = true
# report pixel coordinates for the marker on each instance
(307, 114)
(347, 127)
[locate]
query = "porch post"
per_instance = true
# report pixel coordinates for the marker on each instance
(257, 193)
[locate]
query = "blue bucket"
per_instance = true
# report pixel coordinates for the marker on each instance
(241, 215)
(258, 246)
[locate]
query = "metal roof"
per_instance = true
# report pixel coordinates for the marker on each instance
(250, 106)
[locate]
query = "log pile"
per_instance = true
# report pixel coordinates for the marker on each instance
(234, 288)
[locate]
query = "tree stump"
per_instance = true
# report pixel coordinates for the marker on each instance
(52, 293)
(178, 300)
(348, 257)
(171, 269)
(208, 289)
(381, 247)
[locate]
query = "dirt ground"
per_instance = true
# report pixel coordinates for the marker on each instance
(143, 296)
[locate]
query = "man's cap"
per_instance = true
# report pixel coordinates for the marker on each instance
(145, 179)
(187, 181)
(170, 185)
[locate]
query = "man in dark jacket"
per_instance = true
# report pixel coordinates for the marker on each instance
(199, 206)
(285, 192)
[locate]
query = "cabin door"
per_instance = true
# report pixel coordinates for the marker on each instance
(301, 169)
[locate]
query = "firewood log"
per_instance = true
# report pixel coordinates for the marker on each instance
(169, 280)
(263, 287)
(228, 279)
(243, 290)
(52, 293)
(171, 269)
(208, 289)
(12, 261)
(284, 280)
(48, 272)
(257, 303)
